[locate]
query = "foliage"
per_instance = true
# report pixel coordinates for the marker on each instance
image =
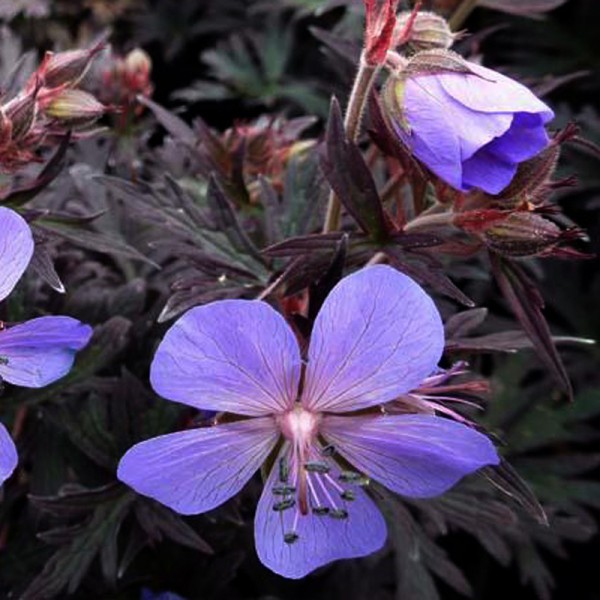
(217, 188)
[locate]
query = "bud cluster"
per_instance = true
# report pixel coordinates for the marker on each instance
(47, 107)
(123, 80)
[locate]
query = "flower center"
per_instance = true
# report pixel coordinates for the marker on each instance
(309, 480)
(299, 426)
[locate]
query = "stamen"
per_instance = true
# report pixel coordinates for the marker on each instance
(284, 504)
(353, 477)
(315, 466)
(348, 495)
(290, 537)
(283, 490)
(349, 476)
(320, 511)
(338, 513)
(284, 470)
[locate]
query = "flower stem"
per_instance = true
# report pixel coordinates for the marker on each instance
(430, 220)
(363, 82)
(461, 13)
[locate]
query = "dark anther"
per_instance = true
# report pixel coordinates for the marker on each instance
(283, 490)
(338, 513)
(290, 537)
(316, 467)
(348, 495)
(320, 511)
(284, 504)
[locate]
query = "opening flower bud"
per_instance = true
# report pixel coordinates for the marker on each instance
(467, 124)
(428, 31)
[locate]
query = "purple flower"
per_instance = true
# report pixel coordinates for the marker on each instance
(472, 130)
(377, 336)
(37, 352)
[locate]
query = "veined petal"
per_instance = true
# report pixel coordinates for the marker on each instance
(8, 455)
(377, 336)
(488, 172)
(437, 147)
(473, 129)
(320, 539)
(40, 351)
(238, 356)
(197, 470)
(414, 455)
(491, 92)
(16, 249)
(525, 138)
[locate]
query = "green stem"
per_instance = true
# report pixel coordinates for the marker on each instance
(365, 77)
(461, 13)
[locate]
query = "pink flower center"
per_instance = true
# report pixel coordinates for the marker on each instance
(309, 479)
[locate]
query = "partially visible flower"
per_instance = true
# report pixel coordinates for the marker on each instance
(36, 352)
(319, 426)
(469, 125)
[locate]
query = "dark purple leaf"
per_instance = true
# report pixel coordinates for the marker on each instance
(21, 195)
(426, 271)
(509, 482)
(527, 304)
(177, 127)
(463, 322)
(350, 177)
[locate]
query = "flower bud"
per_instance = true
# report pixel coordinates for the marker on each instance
(74, 107)
(470, 126)
(22, 112)
(67, 68)
(428, 31)
(525, 234)
(5, 130)
(138, 61)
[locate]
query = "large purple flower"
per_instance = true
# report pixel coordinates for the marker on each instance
(471, 130)
(37, 352)
(377, 336)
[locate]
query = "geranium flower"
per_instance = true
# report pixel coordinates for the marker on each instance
(471, 129)
(36, 352)
(318, 424)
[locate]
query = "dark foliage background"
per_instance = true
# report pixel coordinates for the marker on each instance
(164, 238)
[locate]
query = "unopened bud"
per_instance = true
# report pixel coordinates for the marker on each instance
(5, 130)
(138, 61)
(524, 234)
(22, 112)
(67, 68)
(427, 32)
(74, 107)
